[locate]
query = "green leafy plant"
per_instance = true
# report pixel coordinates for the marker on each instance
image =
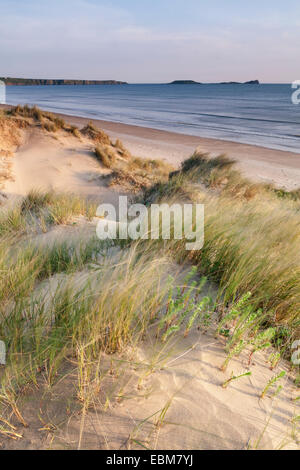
(235, 377)
(234, 312)
(272, 382)
(261, 341)
(185, 308)
(235, 351)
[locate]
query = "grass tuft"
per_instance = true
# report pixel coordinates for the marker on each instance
(97, 135)
(105, 155)
(36, 200)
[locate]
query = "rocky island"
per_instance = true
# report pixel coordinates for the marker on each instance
(185, 82)
(250, 82)
(192, 82)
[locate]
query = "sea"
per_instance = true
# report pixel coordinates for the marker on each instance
(262, 115)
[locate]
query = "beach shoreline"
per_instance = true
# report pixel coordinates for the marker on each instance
(278, 167)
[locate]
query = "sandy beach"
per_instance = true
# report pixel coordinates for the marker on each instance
(258, 163)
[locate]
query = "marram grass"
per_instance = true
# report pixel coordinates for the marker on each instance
(252, 236)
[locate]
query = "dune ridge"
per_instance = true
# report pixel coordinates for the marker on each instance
(111, 348)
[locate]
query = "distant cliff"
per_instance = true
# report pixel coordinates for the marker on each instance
(36, 81)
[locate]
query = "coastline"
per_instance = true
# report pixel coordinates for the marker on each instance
(281, 168)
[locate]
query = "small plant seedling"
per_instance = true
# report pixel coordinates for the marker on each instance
(274, 359)
(234, 352)
(205, 317)
(235, 377)
(234, 312)
(262, 341)
(244, 325)
(272, 382)
(183, 306)
(256, 349)
(170, 331)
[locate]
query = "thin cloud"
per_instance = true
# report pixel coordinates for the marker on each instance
(86, 39)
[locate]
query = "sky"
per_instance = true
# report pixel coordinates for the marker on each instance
(151, 41)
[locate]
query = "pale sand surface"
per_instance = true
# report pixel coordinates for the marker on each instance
(63, 164)
(200, 414)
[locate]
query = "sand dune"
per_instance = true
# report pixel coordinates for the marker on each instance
(60, 163)
(200, 414)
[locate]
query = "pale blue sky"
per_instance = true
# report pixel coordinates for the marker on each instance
(151, 40)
